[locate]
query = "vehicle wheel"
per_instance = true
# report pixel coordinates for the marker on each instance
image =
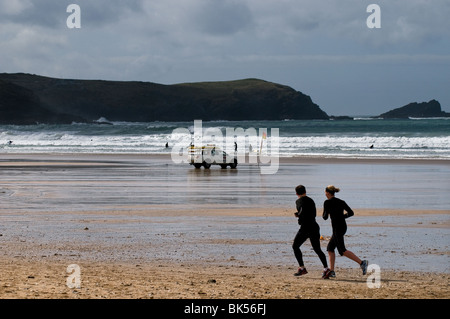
(224, 166)
(234, 164)
(197, 165)
(206, 165)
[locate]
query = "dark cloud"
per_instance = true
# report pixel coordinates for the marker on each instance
(45, 13)
(98, 13)
(52, 14)
(223, 17)
(304, 24)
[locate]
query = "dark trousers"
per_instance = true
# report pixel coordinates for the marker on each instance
(314, 237)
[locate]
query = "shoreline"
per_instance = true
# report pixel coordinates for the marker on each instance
(34, 157)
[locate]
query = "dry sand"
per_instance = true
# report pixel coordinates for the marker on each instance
(47, 279)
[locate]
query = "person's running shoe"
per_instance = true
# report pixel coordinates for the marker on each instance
(332, 274)
(326, 273)
(300, 272)
(364, 265)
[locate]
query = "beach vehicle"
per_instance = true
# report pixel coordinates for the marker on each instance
(210, 155)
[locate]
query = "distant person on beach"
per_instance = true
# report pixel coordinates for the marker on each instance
(335, 207)
(306, 214)
(10, 142)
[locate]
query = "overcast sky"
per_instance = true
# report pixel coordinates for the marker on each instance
(321, 48)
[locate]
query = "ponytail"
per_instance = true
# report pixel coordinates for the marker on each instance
(331, 189)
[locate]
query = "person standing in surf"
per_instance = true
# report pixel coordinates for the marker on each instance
(306, 214)
(335, 207)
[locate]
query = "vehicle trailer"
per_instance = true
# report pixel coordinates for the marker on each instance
(210, 155)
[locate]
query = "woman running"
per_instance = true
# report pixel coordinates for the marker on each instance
(306, 213)
(335, 207)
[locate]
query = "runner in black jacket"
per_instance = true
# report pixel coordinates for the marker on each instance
(306, 213)
(335, 207)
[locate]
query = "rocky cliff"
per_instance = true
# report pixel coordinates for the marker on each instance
(420, 110)
(26, 99)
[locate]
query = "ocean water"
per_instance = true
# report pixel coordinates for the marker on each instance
(409, 138)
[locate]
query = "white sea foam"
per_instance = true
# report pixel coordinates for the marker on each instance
(321, 138)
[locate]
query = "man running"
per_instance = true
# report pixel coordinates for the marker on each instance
(306, 213)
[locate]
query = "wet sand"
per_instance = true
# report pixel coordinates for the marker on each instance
(140, 227)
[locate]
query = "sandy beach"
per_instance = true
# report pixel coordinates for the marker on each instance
(142, 227)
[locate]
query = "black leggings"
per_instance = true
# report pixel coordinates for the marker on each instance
(314, 237)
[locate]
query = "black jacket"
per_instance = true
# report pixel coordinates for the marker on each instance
(334, 207)
(306, 209)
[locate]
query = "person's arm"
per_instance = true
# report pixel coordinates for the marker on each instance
(325, 212)
(299, 211)
(349, 211)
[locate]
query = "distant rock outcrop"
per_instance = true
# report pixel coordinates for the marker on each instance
(419, 110)
(26, 99)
